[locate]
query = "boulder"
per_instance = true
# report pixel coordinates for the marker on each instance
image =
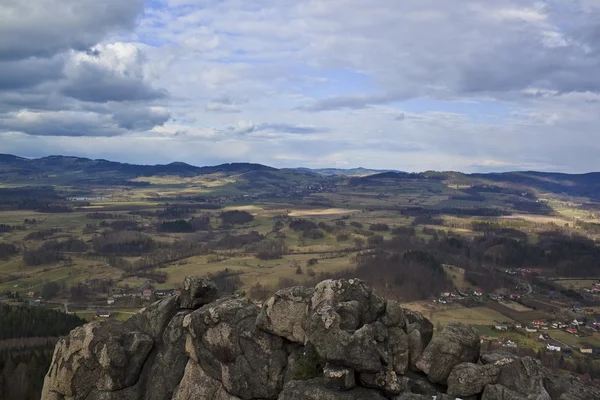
(394, 315)
(168, 367)
(420, 331)
(413, 396)
(103, 357)
(356, 349)
(456, 344)
(499, 392)
(197, 292)
(197, 384)
(339, 378)
(469, 379)
(498, 358)
(418, 383)
(315, 389)
(225, 342)
(561, 387)
(153, 320)
(399, 350)
(386, 380)
(285, 314)
(523, 376)
(365, 305)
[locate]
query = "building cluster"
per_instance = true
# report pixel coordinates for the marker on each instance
(144, 294)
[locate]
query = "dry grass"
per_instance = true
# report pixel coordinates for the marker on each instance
(457, 275)
(576, 283)
(473, 316)
(319, 212)
(516, 306)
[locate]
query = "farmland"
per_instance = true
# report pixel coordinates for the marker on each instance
(254, 229)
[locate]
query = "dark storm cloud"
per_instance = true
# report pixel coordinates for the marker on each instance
(140, 118)
(17, 75)
(58, 79)
(43, 28)
(96, 84)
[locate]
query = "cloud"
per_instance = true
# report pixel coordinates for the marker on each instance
(60, 79)
(223, 105)
(43, 28)
(22, 74)
(112, 72)
(248, 127)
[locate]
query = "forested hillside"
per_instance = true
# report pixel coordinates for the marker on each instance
(27, 338)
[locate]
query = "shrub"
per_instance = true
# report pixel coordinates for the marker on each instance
(379, 227)
(308, 365)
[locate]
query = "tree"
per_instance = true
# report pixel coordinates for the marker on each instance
(50, 290)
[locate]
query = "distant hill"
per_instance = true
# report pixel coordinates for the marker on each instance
(66, 170)
(77, 170)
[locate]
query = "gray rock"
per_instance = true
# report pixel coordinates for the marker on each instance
(499, 392)
(153, 319)
(285, 314)
(197, 384)
(224, 340)
(419, 383)
(523, 376)
(387, 381)
(394, 315)
(356, 350)
(413, 396)
(369, 305)
(456, 344)
(398, 346)
(561, 387)
(169, 365)
(468, 379)
(338, 378)
(97, 356)
(498, 358)
(315, 389)
(197, 292)
(420, 332)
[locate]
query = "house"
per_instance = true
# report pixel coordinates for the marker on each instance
(531, 329)
(515, 296)
(518, 326)
(102, 314)
(164, 292)
(553, 346)
(586, 350)
(30, 294)
(572, 330)
(147, 293)
(544, 336)
(34, 302)
(478, 293)
(554, 325)
(578, 322)
(111, 300)
(501, 327)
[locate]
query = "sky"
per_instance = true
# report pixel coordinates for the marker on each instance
(414, 85)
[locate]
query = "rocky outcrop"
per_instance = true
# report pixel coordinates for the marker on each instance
(469, 379)
(456, 344)
(338, 341)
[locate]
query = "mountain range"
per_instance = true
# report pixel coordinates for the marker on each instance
(67, 170)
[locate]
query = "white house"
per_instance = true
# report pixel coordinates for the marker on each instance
(553, 346)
